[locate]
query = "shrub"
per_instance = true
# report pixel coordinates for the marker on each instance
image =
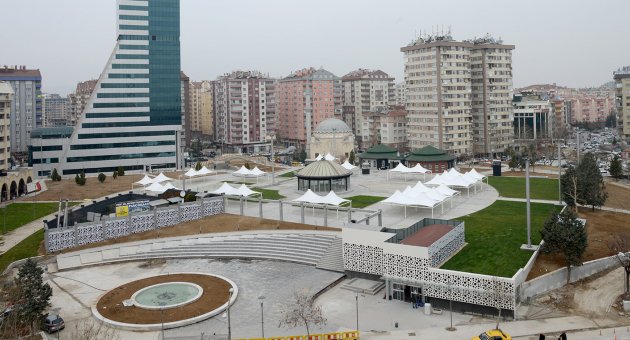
(80, 178)
(101, 177)
(55, 175)
(121, 171)
(115, 174)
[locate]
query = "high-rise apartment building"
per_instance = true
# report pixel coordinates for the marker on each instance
(622, 83)
(385, 126)
(26, 110)
(458, 93)
(6, 100)
(400, 90)
(133, 117)
(56, 110)
(492, 91)
(186, 109)
(244, 110)
(367, 91)
(304, 99)
(202, 108)
(79, 99)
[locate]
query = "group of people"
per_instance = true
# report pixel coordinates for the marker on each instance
(562, 336)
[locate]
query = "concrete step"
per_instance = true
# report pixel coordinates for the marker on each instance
(236, 243)
(246, 247)
(269, 256)
(332, 258)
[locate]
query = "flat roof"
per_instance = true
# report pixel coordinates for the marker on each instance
(427, 235)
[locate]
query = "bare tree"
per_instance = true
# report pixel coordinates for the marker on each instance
(497, 298)
(619, 245)
(88, 329)
(302, 311)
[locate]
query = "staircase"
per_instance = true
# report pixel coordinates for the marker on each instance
(333, 257)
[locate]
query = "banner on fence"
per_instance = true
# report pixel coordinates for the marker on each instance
(124, 208)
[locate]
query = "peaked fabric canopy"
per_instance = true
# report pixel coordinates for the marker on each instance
(243, 171)
(257, 172)
(226, 189)
(329, 157)
(243, 190)
(443, 189)
(156, 187)
(400, 168)
(347, 165)
(146, 180)
(436, 180)
(161, 178)
(475, 174)
(333, 199)
(309, 197)
(419, 169)
(191, 173)
(204, 171)
(169, 186)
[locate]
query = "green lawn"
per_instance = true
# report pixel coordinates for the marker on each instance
(16, 215)
(289, 174)
(362, 201)
(27, 248)
(269, 194)
(540, 188)
(495, 235)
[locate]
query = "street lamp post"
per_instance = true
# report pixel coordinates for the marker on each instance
(356, 299)
(262, 315)
(273, 161)
(228, 314)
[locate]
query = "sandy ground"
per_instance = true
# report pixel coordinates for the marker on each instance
(68, 189)
(211, 224)
(215, 294)
(601, 226)
(618, 195)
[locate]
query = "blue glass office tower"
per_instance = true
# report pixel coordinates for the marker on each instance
(133, 118)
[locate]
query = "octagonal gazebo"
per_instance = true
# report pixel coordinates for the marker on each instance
(324, 176)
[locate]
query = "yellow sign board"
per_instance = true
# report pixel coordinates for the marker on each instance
(122, 211)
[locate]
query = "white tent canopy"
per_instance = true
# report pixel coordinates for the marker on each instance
(156, 187)
(146, 180)
(225, 189)
(436, 180)
(347, 165)
(443, 189)
(415, 198)
(400, 168)
(329, 157)
(161, 178)
(309, 197)
(168, 186)
(243, 190)
(419, 169)
(333, 199)
(191, 173)
(243, 171)
(204, 171)
(257, 172)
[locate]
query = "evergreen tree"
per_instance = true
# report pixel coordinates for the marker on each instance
(121, 171)
(616, 169)
(591, 187)
(32, 295)
(115, 174)
(55, 175)
(302, 155)
(564, 234)
(351, 157)
(101, 177)
(198, 166)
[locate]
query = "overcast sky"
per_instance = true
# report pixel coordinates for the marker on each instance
(573, 43)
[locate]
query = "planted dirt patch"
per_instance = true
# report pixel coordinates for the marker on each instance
(215, 294)
(600, 226)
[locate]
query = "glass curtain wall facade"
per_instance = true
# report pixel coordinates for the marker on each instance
(133, 118)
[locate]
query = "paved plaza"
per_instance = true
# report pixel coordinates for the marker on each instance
(378, 183)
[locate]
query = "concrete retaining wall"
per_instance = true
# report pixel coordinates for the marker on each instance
(558, 278)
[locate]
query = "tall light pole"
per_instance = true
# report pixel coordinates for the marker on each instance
(228, 314)
(273, 161)
(262, 315)
(559, 175)
(356, 299)
(529, 224)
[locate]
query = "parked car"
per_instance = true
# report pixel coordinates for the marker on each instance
(493, 334)
(53, 323)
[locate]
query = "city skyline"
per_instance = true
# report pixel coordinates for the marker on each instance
(280, 36)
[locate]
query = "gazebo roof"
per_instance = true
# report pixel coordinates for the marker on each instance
(380, 151)
(323, 169)
(429, 154)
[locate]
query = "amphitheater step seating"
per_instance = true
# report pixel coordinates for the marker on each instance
(363, 286)
(301, 247)
(333, 257)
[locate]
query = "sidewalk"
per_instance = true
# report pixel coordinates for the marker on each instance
(577, 327)
(623, 211)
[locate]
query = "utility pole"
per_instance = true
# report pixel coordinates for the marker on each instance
(559, 175)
